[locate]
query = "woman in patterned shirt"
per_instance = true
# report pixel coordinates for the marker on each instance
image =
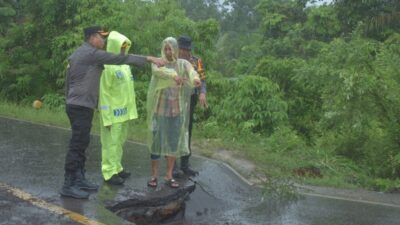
(168, 102)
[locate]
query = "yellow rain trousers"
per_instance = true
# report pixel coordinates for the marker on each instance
(117, 107)
(112, 141)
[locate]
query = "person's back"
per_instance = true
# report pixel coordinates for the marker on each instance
(82, 87)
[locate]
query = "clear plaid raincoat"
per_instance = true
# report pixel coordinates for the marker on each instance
(168, 105)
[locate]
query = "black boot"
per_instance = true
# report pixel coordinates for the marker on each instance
(186, 168)
(190, 172)
(115, 180)
(124, 174)
(177, 173)
(82, 183)
(69, 189)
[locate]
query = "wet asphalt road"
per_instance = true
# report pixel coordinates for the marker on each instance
(32, 158)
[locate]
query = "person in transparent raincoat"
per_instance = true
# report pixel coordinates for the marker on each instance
(168, 102)
(117, 106)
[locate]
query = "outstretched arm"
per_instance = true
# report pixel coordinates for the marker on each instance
(166, 74)
(157, 61)
(103, 57)
(163, 72)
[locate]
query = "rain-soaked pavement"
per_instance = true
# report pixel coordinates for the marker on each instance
(31, 165)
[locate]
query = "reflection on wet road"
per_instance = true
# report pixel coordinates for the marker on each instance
(32, 158)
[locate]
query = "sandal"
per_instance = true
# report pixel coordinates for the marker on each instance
(172, 183)
(152, 182)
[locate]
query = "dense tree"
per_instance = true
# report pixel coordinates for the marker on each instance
(8, 12)
(50, 30)
(378, 18)
(202, 10)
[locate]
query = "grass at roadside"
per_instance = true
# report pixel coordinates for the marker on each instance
(44, 116)
(59, 118)
(268, 163)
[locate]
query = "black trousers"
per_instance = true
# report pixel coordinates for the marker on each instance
(193, 102)
(81, 122)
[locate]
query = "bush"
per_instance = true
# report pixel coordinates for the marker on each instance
(54, 101)
(141, 95)
(251, 103)
(285, 140)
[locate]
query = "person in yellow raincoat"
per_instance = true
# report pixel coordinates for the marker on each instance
(168, 104)
(117, 107)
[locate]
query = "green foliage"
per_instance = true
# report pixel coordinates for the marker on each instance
(141, 95)
(280, 71)
(358, 104)
(285, 140)
(201, 10)
(280, 17)
(53, 101)
(384, 185)
(237, 54)
(379, 16)
(51, 30)
(255, 104)
(322, 23)
(8, 10)
(240, 16)
(204, 35)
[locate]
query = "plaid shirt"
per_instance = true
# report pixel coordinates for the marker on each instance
(168, 103)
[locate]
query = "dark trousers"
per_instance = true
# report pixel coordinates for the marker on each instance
(193, 103)
(81, 122)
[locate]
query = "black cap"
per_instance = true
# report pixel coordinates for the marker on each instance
(93, 30)
(185, 42)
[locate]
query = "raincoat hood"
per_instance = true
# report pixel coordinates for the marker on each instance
(174, 47)
(115, 41)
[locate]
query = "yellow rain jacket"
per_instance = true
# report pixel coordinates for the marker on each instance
(117, 94)
(117, 106)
